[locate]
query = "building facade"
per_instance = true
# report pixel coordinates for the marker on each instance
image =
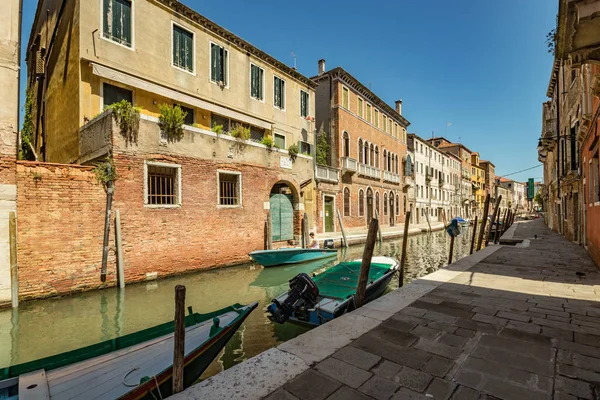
(478, 185)
(245, 150)
(362, 174)
(490, 177)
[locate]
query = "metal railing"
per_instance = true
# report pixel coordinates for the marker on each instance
(324, 173)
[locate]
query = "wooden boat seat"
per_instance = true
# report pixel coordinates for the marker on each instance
(34, 386)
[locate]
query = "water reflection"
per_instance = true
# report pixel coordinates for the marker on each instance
(46, 327)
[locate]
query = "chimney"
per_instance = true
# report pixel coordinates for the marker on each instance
(399, 106)
(321, 66)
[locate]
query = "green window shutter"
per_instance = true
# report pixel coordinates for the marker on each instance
(176, 46)
(277, 94)
(224, 74)
(261, 89)
(214, 62)
(253, 88)
(188, 50)
(105, 18)
(127, 24)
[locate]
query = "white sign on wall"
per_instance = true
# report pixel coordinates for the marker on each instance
(285, 162)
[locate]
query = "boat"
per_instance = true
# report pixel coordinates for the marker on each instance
(290, 255)
(317, 300)
(134, 366)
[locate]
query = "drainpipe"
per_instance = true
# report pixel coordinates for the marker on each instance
(109, 197)
(19, 77)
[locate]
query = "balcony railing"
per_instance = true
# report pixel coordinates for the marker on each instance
(367, 170)
(391, 177)
(329, 174)
(349, 164)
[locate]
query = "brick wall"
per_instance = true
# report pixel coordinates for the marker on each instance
(60, 212)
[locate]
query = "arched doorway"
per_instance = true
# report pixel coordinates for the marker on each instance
(369, 205)
(282, 202)
(392, 214)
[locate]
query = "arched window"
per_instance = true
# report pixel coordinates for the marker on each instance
(397, 165)
(366, 153)
(389, 162)
(404, 204)
(346, 144)
(398, 205)
(346, 202)
(385, 156)
(360, 153)
(377, 202)
(372, 156)
(385, 204)
(408, 166)
(376, 157)
(361, 203)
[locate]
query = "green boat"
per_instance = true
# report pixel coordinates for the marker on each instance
(292, 255)
(134, 366)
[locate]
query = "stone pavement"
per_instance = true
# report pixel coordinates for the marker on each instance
(508, 322)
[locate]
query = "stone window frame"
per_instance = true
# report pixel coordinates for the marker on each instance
(240, 186)
(177, 167)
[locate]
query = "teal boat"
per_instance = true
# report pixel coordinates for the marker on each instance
(271, 258)
(317, 300)
(134, 366)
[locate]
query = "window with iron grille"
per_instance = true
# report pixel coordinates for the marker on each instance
(116, 21)
(163, 184)
(229, 184)
(183, 48)
(189, 115)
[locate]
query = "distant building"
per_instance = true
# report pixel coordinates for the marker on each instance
(490, 177)
(479, 185)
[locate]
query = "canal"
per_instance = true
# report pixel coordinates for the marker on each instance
(46, 327)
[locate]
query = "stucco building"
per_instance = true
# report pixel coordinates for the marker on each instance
(478, 184)
(191, 200)
(362, 173)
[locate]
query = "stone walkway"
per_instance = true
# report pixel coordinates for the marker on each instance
(509, 322)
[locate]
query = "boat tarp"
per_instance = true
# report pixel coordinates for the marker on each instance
(340, 282)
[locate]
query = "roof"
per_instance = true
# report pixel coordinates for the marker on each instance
(445, 145)
(207, 24)
(341, 73)
(487, 162)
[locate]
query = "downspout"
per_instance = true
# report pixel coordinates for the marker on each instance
(109, 197)
(19, 78)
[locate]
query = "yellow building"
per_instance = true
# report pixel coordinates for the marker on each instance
(478, 183)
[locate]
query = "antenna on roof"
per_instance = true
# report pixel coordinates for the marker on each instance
(294, 55)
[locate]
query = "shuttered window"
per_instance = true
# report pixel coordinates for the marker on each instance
(376, 119)
(279, 93)
(368, 112)
(183, 48)
(257, 82)
(360, 108)
(117, 21)
(218, 64)
(384, 124)
(304, 109)
(345, 98)
(279, 141)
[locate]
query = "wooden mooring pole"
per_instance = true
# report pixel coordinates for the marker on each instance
(179, 339)
(14, 270)
(379, 234)
(486, 209)
(404, 243)
(451, 250)
(365, 266)
(498, 228)
(504, 220)
(303, 236)
(121, 266)
(494, 216)
(342, 228)
(473, 237)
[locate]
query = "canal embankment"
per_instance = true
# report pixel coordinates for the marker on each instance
(508, 321)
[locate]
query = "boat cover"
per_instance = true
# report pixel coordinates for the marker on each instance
(340, 282)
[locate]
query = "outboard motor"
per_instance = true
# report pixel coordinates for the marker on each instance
(303, 294)
(328, 244)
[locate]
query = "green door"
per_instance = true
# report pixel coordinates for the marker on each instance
(282, 216)
(328, 214)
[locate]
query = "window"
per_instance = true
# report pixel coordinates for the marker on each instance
(360, 151)
(116, 21)
(385, 124)
(346, 140)
(163, 182)
(229, 188)
(385, 204)
(594, 179)
(360, 108)
(183, 48)
(114, 94)
(304, 147)
(219, 64)
(257, 82)
(304, 109)
(368, 112)
(279, 141)
(361, 203)
(345, 98)
(279, 93)
(189, 114)
(376, 118)
(377, 202)
(346, 202)
(397, 205)
(219, 120)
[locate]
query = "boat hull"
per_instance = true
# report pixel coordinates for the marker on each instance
(271, 258)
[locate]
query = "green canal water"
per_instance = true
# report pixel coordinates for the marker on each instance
(46, 327)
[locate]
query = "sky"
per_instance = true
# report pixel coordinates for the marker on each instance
(470, 70)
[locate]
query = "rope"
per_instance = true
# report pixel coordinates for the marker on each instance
(137, 384)
(127, 374)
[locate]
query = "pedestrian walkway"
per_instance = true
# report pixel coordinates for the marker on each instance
(508, 322)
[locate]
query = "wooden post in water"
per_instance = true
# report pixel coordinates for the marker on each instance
(361, 289)
(305, 216)
(179, 339)
(303, 236)
(451, 250)
(121, 266)
(473, 237)
(494, 216)
(498, 229)
(507, 219)
(486, 209)
(404, 242)
(342, 227)
(268, 234)
(14, 270)
(379, 234)
(504, 221)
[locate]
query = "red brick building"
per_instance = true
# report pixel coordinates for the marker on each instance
(367, 145)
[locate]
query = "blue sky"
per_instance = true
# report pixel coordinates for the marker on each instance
(482, 66)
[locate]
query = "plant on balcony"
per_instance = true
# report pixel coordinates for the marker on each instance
(105, 172)
(218, 129)
(170, 121)
(322, 148)
(428, 178)
(552, 39)
(293, 151)
(128, 119)
(26, 150)
(267, 141)
(240, 132)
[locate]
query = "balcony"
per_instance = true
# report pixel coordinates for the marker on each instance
(408, 180)
(391, 177)
(327, 174)
(368, 171)
(349, 164)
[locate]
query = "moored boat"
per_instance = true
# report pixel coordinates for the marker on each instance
(293, 255)
(317, 300)
(134, 366)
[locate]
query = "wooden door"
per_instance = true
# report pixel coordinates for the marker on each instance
(282, 216)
